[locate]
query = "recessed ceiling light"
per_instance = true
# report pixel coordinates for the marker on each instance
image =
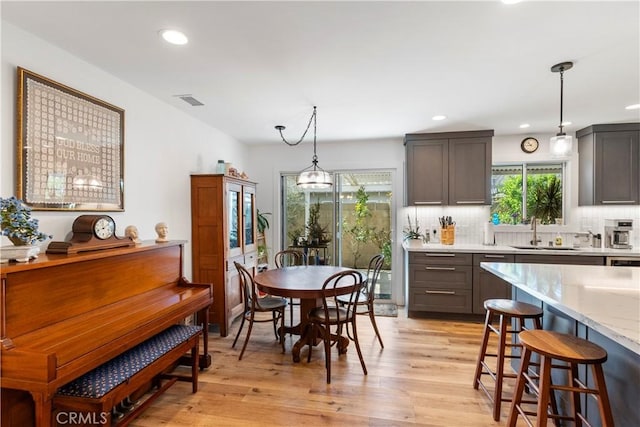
(174, 37)
(524, 125)
(511, 1)
(566, 123)
(633, 107)
(438, 117)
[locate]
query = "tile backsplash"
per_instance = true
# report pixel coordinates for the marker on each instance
(470, 223)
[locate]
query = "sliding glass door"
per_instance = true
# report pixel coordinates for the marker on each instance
(345, 225)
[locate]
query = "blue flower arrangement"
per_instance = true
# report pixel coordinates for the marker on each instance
(17, 224)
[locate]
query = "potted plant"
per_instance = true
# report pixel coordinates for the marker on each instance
(412, 233)
(263, 222)
(17, 224)
(316, 234)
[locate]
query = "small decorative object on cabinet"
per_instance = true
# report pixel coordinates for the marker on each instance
(90, 233)
(448, 168)
(609, 171)
(163, 231)
(223, 231)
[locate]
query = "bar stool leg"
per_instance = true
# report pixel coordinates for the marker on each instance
(545, 389)
(603, 396)
(497, 394)
(483, 349)
(519, 390)
(574, 397)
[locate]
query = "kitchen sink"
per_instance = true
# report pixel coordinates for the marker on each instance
(545, 248)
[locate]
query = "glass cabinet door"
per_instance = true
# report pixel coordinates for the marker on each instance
(234, 223)
(249, 216)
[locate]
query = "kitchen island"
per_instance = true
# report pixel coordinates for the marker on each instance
(598, 303)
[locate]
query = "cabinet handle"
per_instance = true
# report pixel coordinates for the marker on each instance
(441, 292)
(604, 202)
(494, 256)
(469, 202)
(428, 203)
(441, 268)
(439, 255)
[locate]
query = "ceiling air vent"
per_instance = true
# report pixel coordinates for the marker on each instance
(190, 100)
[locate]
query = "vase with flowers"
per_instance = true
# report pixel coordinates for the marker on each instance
(22, 230)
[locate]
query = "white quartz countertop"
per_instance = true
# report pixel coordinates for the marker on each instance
(606, 299)
(479, 248)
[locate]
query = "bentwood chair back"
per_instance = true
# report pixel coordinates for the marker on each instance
(333, 314)
(254, 304)
(289, 258)
(365, 303)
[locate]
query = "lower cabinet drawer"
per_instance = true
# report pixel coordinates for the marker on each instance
(441, 276)
(440, 300)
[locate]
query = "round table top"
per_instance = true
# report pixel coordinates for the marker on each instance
(298, 282)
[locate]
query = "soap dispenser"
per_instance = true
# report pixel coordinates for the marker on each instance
(558, 241)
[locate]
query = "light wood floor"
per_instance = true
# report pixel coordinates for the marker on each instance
(423, 376)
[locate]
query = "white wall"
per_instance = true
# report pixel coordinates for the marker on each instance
(162, 144)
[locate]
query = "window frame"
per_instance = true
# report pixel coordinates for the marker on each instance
(524, 165)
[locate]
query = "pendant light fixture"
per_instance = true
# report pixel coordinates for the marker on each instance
(561, 144)
(313, 177)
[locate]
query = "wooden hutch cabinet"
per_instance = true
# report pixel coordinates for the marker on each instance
(223, 230)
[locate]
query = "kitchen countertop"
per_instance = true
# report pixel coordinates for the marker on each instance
(606, 299)
(479, 248)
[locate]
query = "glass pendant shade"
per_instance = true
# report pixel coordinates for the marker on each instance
(561, 145)
(314, 179)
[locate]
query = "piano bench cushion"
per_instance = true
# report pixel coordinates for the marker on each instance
(106, 377)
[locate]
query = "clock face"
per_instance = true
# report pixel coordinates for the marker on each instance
(529, 145)
(104, 228)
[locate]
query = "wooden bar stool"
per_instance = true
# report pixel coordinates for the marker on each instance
(506, 310)
(572, 350)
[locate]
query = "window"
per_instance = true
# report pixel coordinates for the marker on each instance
(520, 191)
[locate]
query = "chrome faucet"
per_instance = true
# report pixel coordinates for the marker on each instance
(534, 227)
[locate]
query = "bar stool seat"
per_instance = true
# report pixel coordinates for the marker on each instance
(506, 310)
(573, 351)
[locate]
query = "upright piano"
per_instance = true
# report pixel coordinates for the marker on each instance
(63, 315)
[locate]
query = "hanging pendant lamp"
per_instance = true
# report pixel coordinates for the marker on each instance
(561, 144)
(313, 177)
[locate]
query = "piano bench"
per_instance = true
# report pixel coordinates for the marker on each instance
(91, 397)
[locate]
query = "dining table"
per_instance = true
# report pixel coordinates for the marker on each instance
(306, 284)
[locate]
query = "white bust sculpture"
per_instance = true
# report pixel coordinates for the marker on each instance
(131, 231)
(163, 231)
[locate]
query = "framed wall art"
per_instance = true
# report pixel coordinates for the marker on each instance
(70, 153)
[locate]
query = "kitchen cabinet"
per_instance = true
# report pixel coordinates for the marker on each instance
(487, 285)
(440, 282)
(609, 156)
(223, 231)
(448, 168)
(454, 282)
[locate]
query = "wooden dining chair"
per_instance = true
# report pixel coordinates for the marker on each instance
(333, 314)
(254, 304)
(289, 258)
(367, 295)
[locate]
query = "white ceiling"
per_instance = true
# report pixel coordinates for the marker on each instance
(374, 69)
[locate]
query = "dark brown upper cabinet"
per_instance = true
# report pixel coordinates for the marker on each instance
(609, 155)
(448, 168)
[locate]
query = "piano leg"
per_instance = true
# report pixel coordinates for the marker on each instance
(205, 358)
(43, 407)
